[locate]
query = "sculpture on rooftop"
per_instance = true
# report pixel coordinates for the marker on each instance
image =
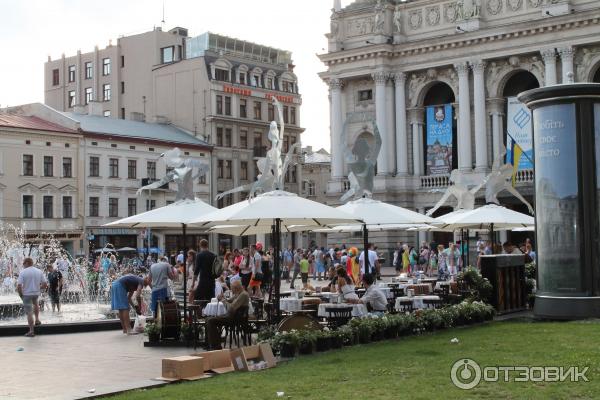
(181, 172)
(361, 159)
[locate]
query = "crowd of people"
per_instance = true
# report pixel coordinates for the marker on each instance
(243, 274)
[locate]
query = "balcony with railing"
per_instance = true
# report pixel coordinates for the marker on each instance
(523, 177)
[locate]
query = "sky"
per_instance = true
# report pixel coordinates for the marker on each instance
(32, 30)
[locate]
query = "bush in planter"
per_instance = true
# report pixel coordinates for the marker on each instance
(266, 334)
(480, 287)
(379, 325)
(285, 343)
(363, 328)
(347, 334)
(406, 324)
(306, 341)
(430, 320)
(392, 323)
(323, 340)
(153, 332)
(338, 336)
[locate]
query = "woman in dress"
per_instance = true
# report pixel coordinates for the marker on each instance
(245, 268)
(345, 285)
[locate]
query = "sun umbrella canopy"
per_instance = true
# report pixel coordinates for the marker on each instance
(359, 227)
(171, 216)
(246, 230)
(375, 212)
(289, 208)
(125, 249)
(484, 217)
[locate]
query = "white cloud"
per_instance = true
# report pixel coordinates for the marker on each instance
(33, 29)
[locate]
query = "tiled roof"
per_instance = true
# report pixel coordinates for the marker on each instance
(318, 157)
(134, 129)
(30, 122)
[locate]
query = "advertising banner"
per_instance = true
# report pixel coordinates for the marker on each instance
(519, 130)
(439, 139)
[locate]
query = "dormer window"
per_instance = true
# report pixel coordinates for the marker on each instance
(221, 74)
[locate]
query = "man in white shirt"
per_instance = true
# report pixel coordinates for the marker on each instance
(180, 257)
(373, 297)
(29, 284)
(373, 261)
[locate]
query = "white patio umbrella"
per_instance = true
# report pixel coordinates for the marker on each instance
(487, 217)
(525, 229)
(370, 228)
(491, 215)
(246, 230)
(384, 215)
(276, 210)
(176, 215)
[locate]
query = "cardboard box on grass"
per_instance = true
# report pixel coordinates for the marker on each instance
(184, 367)
(241, 357)
(217, 361)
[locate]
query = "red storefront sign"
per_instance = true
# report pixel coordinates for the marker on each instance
(248, 92)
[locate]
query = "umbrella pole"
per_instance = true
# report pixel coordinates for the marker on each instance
(276, 267)
(366, 251)
(492, 237)
(468, 243)
(183, 227)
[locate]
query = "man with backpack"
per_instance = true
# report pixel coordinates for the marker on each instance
(204, 272)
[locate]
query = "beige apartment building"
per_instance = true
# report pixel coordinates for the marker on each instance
(41, 180)
(223, 88)
(118, 76)
(93, 178)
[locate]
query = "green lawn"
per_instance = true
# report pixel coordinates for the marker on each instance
(417, 367)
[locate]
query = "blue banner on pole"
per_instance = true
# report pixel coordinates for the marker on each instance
(439, 139)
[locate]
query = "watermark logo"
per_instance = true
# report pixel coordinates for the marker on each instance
(467, 374)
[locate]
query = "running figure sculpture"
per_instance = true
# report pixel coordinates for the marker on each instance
(499, 180)
(271, 167)
(465, 197)
(361, 159)
(181, 173)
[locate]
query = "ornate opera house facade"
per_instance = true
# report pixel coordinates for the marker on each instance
(440, 78)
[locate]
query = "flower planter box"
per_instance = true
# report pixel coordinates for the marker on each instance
(305, 349)
(323, 344)
(337, 343)
(287, 351)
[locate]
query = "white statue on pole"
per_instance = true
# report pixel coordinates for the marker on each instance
(361, 160)
(465, 197)
(272, 167)
(181, 173)
(499, 180)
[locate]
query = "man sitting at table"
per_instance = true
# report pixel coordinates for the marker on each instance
(239, 299)
(373, 297)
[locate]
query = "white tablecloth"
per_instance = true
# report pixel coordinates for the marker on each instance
(290, 304)
(417, 301)
(358, 310)
(214, 310)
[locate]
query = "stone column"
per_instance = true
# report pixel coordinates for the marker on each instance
(566, 55)
(401, 134)
(391, 126)
(497, 112)
(380, 79)
(464, 118)
(481, 150)
(549, 57)
(416, 125)
(337, 153)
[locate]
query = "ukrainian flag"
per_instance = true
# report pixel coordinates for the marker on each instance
(515, 156)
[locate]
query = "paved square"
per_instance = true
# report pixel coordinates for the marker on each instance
(68, 366)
